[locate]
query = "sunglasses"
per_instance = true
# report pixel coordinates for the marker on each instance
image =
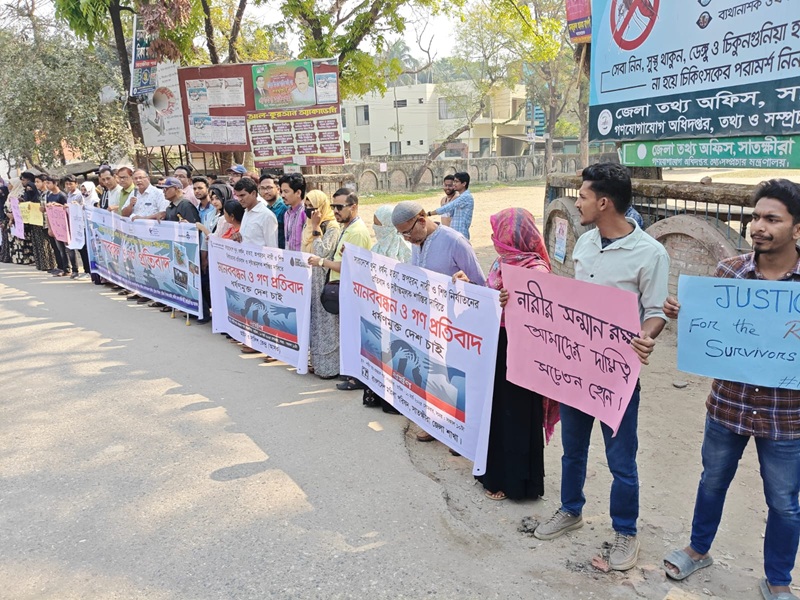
(339, 206)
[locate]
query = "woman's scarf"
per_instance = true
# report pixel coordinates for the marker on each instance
(518, 242)
(389, 242)
(223, 191)
(90, 198)
(319, 200)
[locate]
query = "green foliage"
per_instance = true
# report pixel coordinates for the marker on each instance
(49, 95)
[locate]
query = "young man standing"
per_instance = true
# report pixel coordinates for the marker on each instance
(293, 191)
(111, 190)
(269, 192)
(461, 207)
(619, 254)
(74, 195)
(125, 180)
(740, 411)
(259, 225)
(208, 217)
(449, 196)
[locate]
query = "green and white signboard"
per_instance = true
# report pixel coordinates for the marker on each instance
(754, 152)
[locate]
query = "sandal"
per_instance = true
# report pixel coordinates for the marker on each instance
(497, 496)
(425, 437)
(770, 595)
(685, 564)
(165, 309)
(350, 385)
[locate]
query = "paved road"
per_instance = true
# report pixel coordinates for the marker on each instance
(140, 458)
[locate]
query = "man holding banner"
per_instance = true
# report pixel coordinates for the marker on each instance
(617, 253)
(738, 411)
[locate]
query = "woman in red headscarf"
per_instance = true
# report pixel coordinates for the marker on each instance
(521, 419)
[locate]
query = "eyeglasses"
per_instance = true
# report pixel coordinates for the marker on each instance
(339, 206)
(407, 232)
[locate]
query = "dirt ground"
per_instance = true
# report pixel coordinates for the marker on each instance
(671, 424)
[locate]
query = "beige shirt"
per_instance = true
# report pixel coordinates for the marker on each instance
(637, 263)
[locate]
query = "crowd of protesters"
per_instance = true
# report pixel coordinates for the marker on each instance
(279, 211)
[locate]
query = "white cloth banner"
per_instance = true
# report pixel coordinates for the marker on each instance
(426, 345)
(262, 297)
(77, 226)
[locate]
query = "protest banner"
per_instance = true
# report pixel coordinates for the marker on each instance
(57, 220)
(424, 344)
(262, 297)
(730, 69)
(31, 213)
(740, 330)
(579, 21)
(570, 341)
(18, 228)
(158, 260)
(77, 226)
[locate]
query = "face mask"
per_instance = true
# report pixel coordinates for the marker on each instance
(309, 211)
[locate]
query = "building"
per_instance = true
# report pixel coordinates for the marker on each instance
(410, 121)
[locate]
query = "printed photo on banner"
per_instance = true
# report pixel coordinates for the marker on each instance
(147, 257)
(77, 226)
(740, 330)
(262, 298)
(161, 112)
(425, 345)
(570, 341)
(288, 84)
(560, 252)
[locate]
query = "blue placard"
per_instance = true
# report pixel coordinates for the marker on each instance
(740, 330)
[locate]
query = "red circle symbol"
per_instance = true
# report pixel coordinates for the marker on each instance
(642, 12)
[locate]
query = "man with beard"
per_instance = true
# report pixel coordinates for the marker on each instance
(449, 196)
(208, 217)
(739, 411)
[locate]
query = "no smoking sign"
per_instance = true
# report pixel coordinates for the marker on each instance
(632, 21)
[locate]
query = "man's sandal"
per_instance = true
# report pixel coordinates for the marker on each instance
(684, 563)
(770, 595)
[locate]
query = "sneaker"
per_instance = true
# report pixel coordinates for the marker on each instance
(624, 553)
(557, 525)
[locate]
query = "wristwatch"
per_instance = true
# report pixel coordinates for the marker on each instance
(316, 233)
(321, 262)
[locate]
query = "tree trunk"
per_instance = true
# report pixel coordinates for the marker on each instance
(236, 27)
(213, 55)
(583, 117)
(115, 11)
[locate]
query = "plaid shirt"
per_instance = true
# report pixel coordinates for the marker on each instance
(757, 411)
(460, 210)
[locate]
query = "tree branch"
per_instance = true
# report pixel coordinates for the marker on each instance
(233, 55)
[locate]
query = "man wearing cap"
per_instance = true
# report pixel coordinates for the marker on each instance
(146, 201)
(179, 208)
(235, 173)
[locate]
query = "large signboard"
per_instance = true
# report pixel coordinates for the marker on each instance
(161, 112)
(703, 69)
(423, 343)
(301, 122)
(157, 260)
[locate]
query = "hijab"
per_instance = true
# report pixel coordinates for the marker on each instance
(29, 193)
(319, 200)
(90, 198)
(389, 241)
(518, 242)
(223, 191)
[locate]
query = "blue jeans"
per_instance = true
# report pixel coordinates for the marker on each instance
(576, 431)
(780, 473)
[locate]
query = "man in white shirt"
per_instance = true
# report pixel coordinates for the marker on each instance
(259, 224)
(111, 190)
(302, 94)
(147, 201)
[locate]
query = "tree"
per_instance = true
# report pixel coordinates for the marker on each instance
(59, 107)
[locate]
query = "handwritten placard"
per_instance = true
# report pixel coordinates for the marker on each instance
(570, 341)
(742, 330)
(18, 228)
(57, 219)
(31, 213)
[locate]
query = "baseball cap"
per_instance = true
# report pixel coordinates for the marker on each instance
(237, 169)
(171, 182)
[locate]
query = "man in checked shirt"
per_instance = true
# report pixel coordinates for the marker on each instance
(738, 411)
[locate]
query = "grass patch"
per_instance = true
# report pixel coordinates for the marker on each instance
(381, 197)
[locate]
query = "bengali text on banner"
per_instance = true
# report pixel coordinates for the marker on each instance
(424, 344)
(740, 330)
(58, 221)
(570, 341)
(18, 229)
(157, 260)
(262, 297)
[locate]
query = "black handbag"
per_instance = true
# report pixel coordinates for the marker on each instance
(330, 295)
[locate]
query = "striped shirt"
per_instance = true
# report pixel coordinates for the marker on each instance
(754, 410)
(293, 221)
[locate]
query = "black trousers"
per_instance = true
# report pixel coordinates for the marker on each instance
(60, 250)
